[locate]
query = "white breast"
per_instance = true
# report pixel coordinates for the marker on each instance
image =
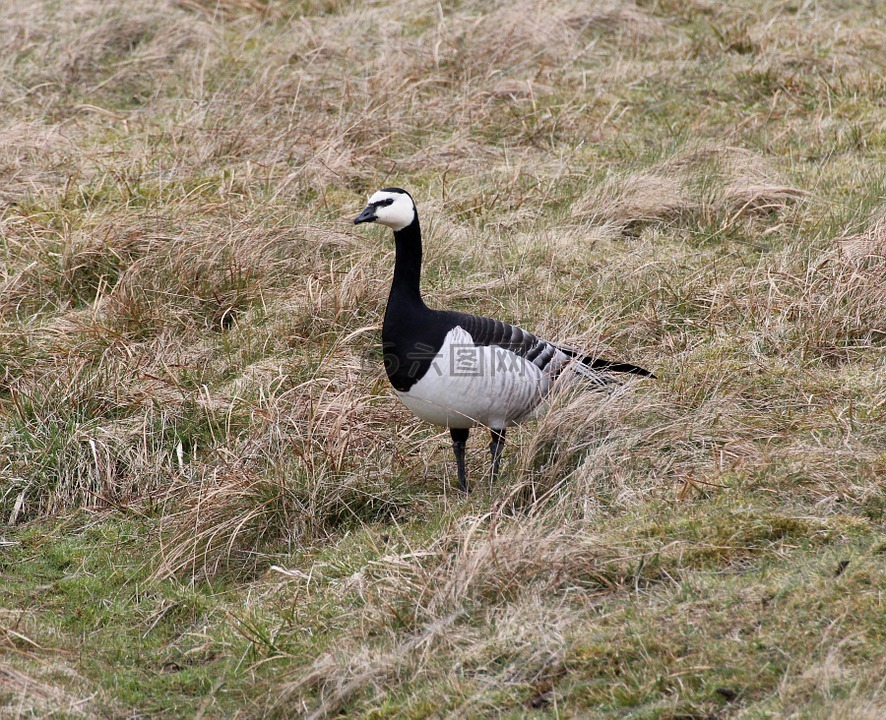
(467, 385)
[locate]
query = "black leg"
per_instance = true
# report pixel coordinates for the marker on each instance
(495, 449)
(459, 440)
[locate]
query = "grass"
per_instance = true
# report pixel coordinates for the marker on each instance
(213, 505)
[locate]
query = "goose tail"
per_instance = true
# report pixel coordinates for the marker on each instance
(598, 370)
(616, 367)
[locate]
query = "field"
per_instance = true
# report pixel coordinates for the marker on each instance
(212, 504)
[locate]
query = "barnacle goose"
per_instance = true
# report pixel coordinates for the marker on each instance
(457, 370)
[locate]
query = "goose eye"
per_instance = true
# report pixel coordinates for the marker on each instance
(386, 202)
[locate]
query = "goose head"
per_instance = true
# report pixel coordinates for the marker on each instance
(391, 206)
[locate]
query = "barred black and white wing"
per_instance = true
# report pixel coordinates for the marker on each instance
(548, 357)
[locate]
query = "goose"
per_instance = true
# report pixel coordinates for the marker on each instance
(457, 370)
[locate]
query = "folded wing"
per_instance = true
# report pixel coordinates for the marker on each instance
(550, 358)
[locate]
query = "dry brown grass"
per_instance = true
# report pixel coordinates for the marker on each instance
(506, 571)
(593, 452)
(707, 183)
(868, 245)
(46, 694)
(832, 305)
(299, 481)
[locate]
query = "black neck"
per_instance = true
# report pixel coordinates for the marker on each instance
(407, 265)
(411, 332)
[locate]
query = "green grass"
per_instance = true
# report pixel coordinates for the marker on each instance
(213, 504)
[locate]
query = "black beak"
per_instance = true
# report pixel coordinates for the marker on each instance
(368, 215)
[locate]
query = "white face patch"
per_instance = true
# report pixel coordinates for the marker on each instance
(396, 215)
